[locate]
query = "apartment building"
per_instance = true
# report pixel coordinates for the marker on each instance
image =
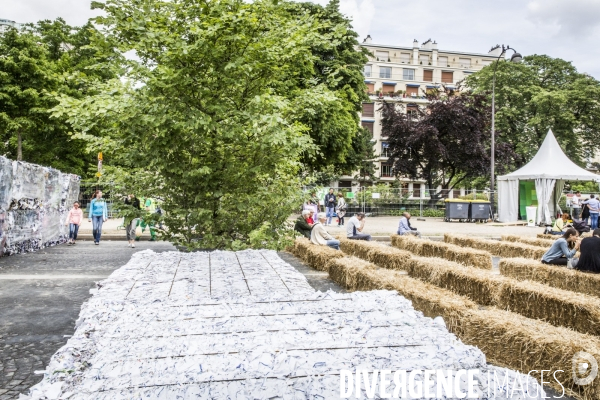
(5, 24)
(403, 74)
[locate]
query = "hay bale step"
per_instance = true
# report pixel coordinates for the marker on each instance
(379, 254)
(428, 248)
(527, 240)
(317, 257)
(551, 275)
(506, 338)
(497, 248)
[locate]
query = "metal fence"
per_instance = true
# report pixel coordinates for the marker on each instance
(381, 200)
(109, 194)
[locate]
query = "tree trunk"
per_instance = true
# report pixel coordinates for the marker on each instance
(19, 147)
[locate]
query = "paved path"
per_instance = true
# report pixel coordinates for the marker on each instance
(40, 297)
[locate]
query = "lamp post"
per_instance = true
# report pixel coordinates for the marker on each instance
(515, 58)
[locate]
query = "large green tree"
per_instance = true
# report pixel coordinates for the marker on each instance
(543, 93)
(211, 116)
(37, 64)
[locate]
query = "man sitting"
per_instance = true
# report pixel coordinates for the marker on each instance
(355, 227)
(404, 228)
(320, 236)
(302, 225)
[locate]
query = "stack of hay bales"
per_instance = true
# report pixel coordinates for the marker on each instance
(317, 257)
(546, 236)
(497, 248)
(532, 241)
(505, 337)
(531, 299)
(428, 248)
(561, 278)
(385, 256)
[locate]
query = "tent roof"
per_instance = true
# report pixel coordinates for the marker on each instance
(551, 162)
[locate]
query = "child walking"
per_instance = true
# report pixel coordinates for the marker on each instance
(74, 220)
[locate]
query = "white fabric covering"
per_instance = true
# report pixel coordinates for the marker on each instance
(549, 165)
(243, 325)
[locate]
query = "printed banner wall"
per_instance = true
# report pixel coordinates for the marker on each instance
(34, 203)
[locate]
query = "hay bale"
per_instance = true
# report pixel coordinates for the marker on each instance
(545, 236)
(429, 248)
(355, 274)
(478, 285)
(317, 257)
(532, 241)
(556, 306)
(358, 248)
(558, 277)
(520, 343)
(497, 248)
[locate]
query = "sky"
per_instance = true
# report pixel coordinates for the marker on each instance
(558, 28)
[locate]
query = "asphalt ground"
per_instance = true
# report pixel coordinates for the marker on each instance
(41, 295)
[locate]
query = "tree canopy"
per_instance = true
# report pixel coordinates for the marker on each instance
(543, 93)
(219, 106)
(446, 143)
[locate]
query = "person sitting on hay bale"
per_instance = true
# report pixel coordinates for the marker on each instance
(355, 227)
(404, 228)
(560, 225)
(302, 225)
(563, 249)
(590, 253)
(320, 236)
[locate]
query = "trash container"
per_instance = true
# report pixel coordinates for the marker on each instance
(480, 210)
(531, 215)
(456, 209)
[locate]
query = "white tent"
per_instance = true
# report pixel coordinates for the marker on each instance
(550, 168)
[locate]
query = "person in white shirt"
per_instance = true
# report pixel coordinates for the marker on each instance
(320, 236)
(594, 206)
(576, 206)
(355, 227)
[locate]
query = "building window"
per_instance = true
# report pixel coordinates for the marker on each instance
(416, 190)
(412, 91)
(405, 58)
(345, 184)
(368, 126)
(388, 89)
(428, 75)
(370, 88)
(447, 77)
(386, 170)
(385, 72)
(443, 62)
(412, 110)
(424, 59)
(382, 55)
(408, 74)
(368, 110)
(367, 70)
(464, 62)
(385, 149)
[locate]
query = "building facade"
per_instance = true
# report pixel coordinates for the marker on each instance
(6, 24)
(403, 74)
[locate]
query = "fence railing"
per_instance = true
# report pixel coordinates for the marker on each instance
(379, 200)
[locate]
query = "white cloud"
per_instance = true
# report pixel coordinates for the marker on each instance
(361, 12)
(74, 12)
(573, 18)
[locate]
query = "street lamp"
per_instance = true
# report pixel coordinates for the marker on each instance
(515, 58)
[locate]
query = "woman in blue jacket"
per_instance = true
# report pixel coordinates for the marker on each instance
(98, 215)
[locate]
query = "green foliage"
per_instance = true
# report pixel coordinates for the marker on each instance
(539, 94)
(474, 196)
(215, 114)
(583, 187)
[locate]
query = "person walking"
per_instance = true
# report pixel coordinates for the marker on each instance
(594, 207)
(98, 214)
(132, 218)
(330, 203)
(74, 219)
(341, 209)
(576, 206)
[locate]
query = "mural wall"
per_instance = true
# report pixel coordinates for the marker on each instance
(34, 203)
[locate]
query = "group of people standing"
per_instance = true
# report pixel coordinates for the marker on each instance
(585, 209)
(98, 214)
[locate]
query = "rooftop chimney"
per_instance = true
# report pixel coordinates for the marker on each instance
(434, 45)
(415, 44)
(368, 39)
(426, 45)
(495, 51)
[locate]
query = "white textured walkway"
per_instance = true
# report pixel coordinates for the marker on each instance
(238, 325)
